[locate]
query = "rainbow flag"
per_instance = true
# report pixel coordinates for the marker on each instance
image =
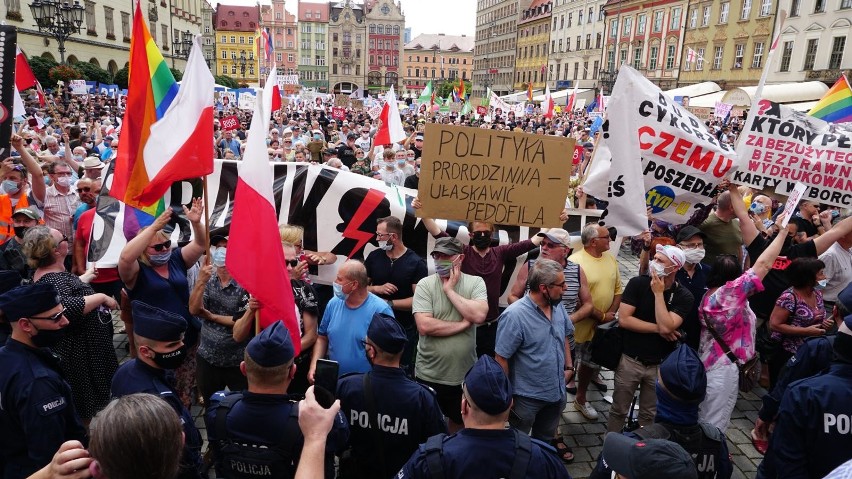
(151, 89)
(836, 105)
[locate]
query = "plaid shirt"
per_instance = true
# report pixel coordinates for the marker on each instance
(58, 211)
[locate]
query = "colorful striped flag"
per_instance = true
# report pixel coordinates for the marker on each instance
(529, 92)
(836, 105)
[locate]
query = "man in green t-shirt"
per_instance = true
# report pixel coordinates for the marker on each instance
(446, 305)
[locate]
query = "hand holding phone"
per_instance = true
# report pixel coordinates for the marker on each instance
(325, 380)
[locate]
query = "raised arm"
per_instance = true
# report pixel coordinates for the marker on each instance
(764, 262)
(37, 182)
(747, 228)
(128, 265)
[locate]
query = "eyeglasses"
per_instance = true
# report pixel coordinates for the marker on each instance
(605, 237)
(291, 262)
(548, 244)
(162, 246)
(556, 285)
(691, 245)
(56, 317)
(64, 239)
(379, 235)
(85, 188)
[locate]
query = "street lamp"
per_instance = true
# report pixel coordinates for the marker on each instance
(608, 80)
(59, 20)
(242, 64)
(182, 47)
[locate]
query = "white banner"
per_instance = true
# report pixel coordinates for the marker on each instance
(78, 87)
(500, 107)
(247, 101)
(681, 161)
(780, 146)
(287, 80)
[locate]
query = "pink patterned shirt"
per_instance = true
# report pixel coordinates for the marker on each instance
(727, 309)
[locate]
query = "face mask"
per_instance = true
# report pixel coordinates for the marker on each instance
(694, 256)
(47, 338)
(821, 284)
(160, 259)
(317, 137)
(11, 187)
(481, 242)
(338, 291)
(758, 208)
(219, 257)
(417, 169)
(400, 162)
(443, 267)
(20, 231)
(64, 181)
(172, 360)
(658, 268)
(47, 181)
(78, 157)
(365, 135)
(385, 245)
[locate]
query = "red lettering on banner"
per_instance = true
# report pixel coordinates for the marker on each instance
(684, 149)
(229, 123)
(578, 154)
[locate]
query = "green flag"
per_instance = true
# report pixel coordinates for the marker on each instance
(487, 100)
(426, 96)
(466, 109)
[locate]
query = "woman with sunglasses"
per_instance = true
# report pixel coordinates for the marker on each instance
(87, 353)
(154, 273)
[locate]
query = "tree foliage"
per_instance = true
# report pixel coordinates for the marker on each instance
(177, 74)
(121, 77)
(41, 69)
(226, 81)
(93, 72)
(64, 73)
(446, 88)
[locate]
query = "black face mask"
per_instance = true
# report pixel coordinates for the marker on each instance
(20, 231)
(47, 338)
(481, 241)
(172, 360)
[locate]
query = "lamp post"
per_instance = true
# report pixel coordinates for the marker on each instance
(59, 20)
(242, 64)
(182, 47)
(487, 81)
(608, 80)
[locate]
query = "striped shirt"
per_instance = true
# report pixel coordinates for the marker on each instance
(58, 212)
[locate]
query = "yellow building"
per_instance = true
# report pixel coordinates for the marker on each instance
(436, 57)
(532, 44)
(730, 41)
(235, 50)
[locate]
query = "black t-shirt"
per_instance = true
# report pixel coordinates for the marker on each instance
(776, 281)
(805, 225)
(402, 272)
(346, 155)
(637, 293)
(697, 285)
(412, 181)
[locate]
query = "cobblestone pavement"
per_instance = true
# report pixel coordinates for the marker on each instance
(584, 436)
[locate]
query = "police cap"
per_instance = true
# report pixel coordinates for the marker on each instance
(488, 387)
(272, 347)
(386, 333)
(646, 459)
(682, 375)
(28, 300)
(157, 324)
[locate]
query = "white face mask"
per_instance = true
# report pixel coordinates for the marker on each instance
(658, 268)
(694, 255)
(64, 181)
(385, 245)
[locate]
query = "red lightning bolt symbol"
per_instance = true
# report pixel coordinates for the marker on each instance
(352, 231)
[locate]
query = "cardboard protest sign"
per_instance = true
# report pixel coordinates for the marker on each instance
(793, 202)
(247, 101)
(680, 161)
(229, 123)
(341, 100)
(357, 104)
(351, 204)
(780, 146)
(495, 176)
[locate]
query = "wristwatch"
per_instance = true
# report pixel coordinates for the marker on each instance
(570, 368)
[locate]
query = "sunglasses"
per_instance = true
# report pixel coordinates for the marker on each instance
(291, 262)
(162, 246)
(85, 188)
(56, 317)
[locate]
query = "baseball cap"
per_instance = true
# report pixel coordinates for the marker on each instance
(689, 231)
(30, 212)
(647, 459)
(351, 136)
(447, 245)
(557, 235)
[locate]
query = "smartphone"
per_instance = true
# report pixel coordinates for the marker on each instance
(325, 380)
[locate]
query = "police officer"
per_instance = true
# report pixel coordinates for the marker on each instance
(159, 350)
(8, 280)
(681, 386)
(36, 409)
(389, 414)
(646, 459)
(484, 448)
(813, 432)
(255, 433)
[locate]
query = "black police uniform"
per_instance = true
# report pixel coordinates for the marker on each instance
(135, 376)
(258, 435)
(37, 413)
(704, 443)
(404, 413)
(485, 453)
(813, 434)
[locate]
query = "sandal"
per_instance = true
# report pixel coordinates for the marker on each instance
(563, 450)
(760, 445)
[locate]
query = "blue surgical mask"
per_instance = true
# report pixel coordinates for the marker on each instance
(338, 291)
(821, 284)
(11, 187)
(160, 259)
(400, 162)
(219, 257)
(758, 208)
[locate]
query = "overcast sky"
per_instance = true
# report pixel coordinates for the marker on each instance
(452, 17)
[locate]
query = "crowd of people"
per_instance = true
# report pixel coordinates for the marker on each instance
(432, 368)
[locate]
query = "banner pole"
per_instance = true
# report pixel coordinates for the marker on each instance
(206, 220)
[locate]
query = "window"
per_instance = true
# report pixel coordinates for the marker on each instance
(637, 58)
(578, 42)
(844, 4)
(90, 17)
(693, 18)
(224, 69)
(601, 14)
(125, 25)
(224, 55)
(652, 57)
(13, 6)
(580, 17)
(717, 58)
(242, 39)
(233, 39)
(757, 58)
(765, 8)
(570, 15)
(658, 21)
(108, 22)
(380, 29)
(628, 24)
(640, 24)
(670, 57)
(585, 70)
(705, 16)
(746, 11)
(613, 28)
(279, 57)
(290, 58)
(836, 57)
(610, 61)
(674, 23)
(723, 12)
(224, 39)
(699, 63)
(819, 6)
(320, 61)
(786, 54)
(598, 39)
(810, 53)
(233, 69)
(577, 71)
(739, 51)
(588, 41)
(164, 31)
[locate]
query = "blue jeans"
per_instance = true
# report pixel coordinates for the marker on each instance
(540, 417)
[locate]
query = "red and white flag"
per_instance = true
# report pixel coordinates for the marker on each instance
(601, 105)
(391, 130)
(691, 55)
(24, 79)
(572, 100)
(255, 258)
(179, 146)
(547, 104)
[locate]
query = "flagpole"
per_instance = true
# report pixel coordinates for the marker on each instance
(206, 219)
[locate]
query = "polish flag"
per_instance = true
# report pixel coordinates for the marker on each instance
(601, 106)
(255, 258)
(391, 130)
(179, 146)
(276, 98)
(24, 79)
(572, 100)
(547, 104)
